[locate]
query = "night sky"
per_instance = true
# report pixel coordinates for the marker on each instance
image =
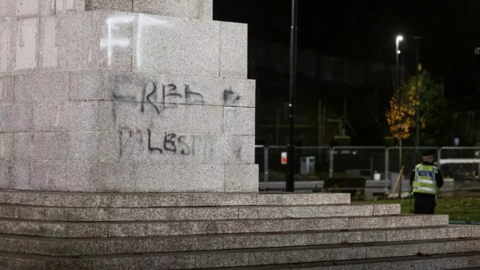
(366, 30)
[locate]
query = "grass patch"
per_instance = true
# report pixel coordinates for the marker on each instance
(459, 209)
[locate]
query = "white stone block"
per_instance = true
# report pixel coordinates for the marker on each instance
(47, 175)
(109, 148)
(48, 54)
(194, 9)
(7, 86)
(27, 8)
(239, 150)
(68, 30)
(87, 86)
(176, 46)
(83, 146)
(155, 177)
(27, 44)
(239, 121)
(47, 7)
(241, 178)
(234, 50)
(48, 116)
(50, 146)
(8, 41)
(6, 147)
(7, 8)
(69, 6)
(203, 119)
(116, 177)
(80, 116)
(204, 178)
(23, 146)
(16, 117)
(15, 175)
(117, 5)
(81, 177)
(48, 87)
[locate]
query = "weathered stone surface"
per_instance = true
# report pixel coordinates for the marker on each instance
(16, 117)
(20, 9)
(6, 147)
(198, 213)
(7, 90)
(241, 178)
(239, 121)
(321, 258)
(196, 9)
(42, 88)
(460, 232)
(304, 199)
(74, 230)
(188, 47)
(242, 226)
(234, 37)
(305, 211)
(15, 175)
(380, 210)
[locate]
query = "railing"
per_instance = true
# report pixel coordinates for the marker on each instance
(379, 165)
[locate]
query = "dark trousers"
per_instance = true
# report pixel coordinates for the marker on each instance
(424, 205)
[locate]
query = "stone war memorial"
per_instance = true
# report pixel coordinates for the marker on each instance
(127, 135)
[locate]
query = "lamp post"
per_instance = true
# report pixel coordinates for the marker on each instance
(397, 88)
(417, 120)
(397, 71)
(290, 183)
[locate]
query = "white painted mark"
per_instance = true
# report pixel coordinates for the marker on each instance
(111, 41)
(144, 21)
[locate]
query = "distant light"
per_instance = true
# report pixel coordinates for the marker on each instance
(399, 52)
(399, 38)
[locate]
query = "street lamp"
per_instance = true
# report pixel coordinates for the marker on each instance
(290, 183)
(397, 50)
(397, 87)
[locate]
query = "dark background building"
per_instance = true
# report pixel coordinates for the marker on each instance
(346, 63)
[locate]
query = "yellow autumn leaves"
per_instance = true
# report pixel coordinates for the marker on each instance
(401, 116)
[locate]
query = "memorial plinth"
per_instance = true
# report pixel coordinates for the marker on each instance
(97, 100)
(127, 142)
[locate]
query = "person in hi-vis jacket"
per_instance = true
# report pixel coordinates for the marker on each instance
(426, 179)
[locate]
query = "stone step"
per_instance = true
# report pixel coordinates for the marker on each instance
(135, 200)
(193, 213)
(143, 245)
(166, 228)
(433, 262)
(252, 257)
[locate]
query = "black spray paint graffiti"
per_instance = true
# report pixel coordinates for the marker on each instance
(150, 148)
(171, 143)
(157, 98)
(132, 141)
(170, 96)
(230, 97)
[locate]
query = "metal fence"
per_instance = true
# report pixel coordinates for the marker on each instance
(379, 165)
